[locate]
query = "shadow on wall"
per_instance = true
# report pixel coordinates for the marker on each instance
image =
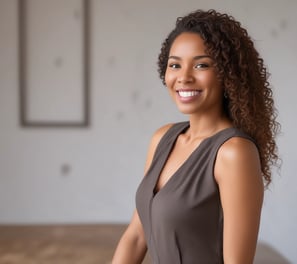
(267, 254)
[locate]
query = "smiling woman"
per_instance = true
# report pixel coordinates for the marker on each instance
(191, 77)
(194, 204)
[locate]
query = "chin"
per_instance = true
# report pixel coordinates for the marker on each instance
(185, 112)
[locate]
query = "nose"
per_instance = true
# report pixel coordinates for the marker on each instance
(185, 75)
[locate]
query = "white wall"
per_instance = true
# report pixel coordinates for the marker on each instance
(128, 103)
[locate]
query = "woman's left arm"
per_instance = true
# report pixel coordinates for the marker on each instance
(238, 174)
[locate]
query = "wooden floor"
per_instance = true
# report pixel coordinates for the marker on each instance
(73, 244)
(80, 244)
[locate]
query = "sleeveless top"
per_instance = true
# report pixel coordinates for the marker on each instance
(183, 221)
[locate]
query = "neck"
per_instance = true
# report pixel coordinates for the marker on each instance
(205, 126)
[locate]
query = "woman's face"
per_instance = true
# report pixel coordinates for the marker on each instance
(191, 77)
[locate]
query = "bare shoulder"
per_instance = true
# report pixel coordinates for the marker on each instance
(238, 155)
(159, 133)
(238, 147)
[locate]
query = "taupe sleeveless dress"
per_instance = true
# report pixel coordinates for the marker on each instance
(183, 222)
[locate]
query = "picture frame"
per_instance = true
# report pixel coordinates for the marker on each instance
(54, 67)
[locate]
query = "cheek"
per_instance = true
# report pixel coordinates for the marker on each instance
(169, 79)
(210, 79)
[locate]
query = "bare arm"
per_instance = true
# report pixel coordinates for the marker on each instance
(132, 248)
(238, 173)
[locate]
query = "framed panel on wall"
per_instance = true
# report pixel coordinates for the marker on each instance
(54, 63)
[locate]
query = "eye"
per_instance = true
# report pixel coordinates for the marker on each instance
(202, 66)
(174, 65)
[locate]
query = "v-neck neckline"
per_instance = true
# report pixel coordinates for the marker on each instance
(183, 129)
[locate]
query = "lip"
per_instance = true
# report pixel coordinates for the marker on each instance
(188, 95)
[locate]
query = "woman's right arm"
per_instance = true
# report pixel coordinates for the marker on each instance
(132, 248)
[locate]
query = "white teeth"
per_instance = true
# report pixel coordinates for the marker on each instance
(187, 93)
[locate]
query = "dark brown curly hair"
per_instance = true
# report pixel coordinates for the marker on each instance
(249, 102)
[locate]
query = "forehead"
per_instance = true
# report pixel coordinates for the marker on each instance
(187, 43)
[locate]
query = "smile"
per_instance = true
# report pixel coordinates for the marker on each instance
(186, 94)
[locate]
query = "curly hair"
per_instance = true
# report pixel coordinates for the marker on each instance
(249, 103)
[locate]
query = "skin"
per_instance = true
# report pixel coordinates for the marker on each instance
(192, 83)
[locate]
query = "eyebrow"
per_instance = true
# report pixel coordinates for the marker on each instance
(195, 58)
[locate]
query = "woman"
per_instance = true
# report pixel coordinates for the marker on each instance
(201, 198)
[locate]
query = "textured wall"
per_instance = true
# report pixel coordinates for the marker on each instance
(90, 175)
